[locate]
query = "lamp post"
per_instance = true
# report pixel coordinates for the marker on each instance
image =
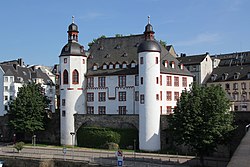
(34, 140)
(72, 134)
(134, 147)
(14, 138)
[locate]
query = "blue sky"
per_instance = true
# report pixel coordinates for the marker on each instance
(36, 30)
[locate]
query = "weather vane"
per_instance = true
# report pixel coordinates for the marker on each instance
(73, 19)
(148, 19)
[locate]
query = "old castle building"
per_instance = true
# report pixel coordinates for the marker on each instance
(120, 75)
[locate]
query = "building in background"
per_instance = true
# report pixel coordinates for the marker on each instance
(13, 74)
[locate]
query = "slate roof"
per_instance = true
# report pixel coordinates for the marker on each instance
(230, 71)
(124, 49)
(192, 60)
(239, 58)
(27, 74)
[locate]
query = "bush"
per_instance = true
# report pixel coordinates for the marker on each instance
(111, 146)
(19, 146)
(97, 137)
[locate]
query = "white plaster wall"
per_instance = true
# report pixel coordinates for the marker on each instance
(206, 69)
(149, 112)
(112, 90)
(74, 95)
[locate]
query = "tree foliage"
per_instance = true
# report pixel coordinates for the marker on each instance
(27, 110)
(163, 43)
(202, 119)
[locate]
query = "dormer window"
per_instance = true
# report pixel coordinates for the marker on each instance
(133, 64)
(95, 67)
(236, 75)
(224, 76)
(173, 64)
(101, 47)
(124, 55)
(166, 63)
(118, 46)
(181, 66)
(111, 66)
(213, 77)
(104, 66)
(124, 65)
(117, 65)
(107, 56)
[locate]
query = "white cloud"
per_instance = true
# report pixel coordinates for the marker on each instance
(91, 16)
(200, 39)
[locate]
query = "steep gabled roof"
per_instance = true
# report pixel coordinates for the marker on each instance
(217, 74)
(192, 60)
(113, 49)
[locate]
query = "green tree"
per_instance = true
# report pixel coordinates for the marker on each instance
(163, 43)
(202, 119)
(27, 111)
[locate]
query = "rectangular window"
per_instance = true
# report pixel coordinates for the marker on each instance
(5, 97)
(156, 60)
(90, 97)
(169, 109)
(90, 110)
(65, 60)
(11, 97)
(122, 96)
(63, 113)
(90, 82)
(243, 85)
(102, 96)
(101, 82)
(160, 95)
(157, 80)
(83, 61)
(137, 80)
(169, 80)
(11, 79)
(101, 110)
(5, 79)
(227, 86)
(157, 96)
(160, 79)
(122, 110)
(142, 99)
(63, 102)
(161, 109)
(235, 85)
(141, 60)
(11, 88)
(136, 95)
(176, 81)
(141, 80)
(176, 96)
(236, 96)
(169, 95)
(6, 89)
(184, 81)
(122, 81)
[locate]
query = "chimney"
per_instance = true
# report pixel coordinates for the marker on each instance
(20, 62)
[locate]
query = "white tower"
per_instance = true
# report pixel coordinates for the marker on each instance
(72, 84)
(149, 53)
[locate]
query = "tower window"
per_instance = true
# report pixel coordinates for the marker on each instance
(142, 99)
(65, 60)
(65, 77)
(136, 95)
(63, 113)
(136, 80)
(157, 80)
(156, 60)
(141, 60)
(63, 102)
(141, 80)
(75, 75)
(83, 61)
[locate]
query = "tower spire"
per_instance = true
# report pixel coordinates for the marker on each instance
(148, 19)
(73, 19)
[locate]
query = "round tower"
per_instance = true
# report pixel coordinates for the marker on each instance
(149, 53)
(72, 84)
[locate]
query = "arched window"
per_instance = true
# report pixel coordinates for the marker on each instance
(65, 77)
(75, 77)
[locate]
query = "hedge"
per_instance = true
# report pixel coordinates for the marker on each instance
(97, 137)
